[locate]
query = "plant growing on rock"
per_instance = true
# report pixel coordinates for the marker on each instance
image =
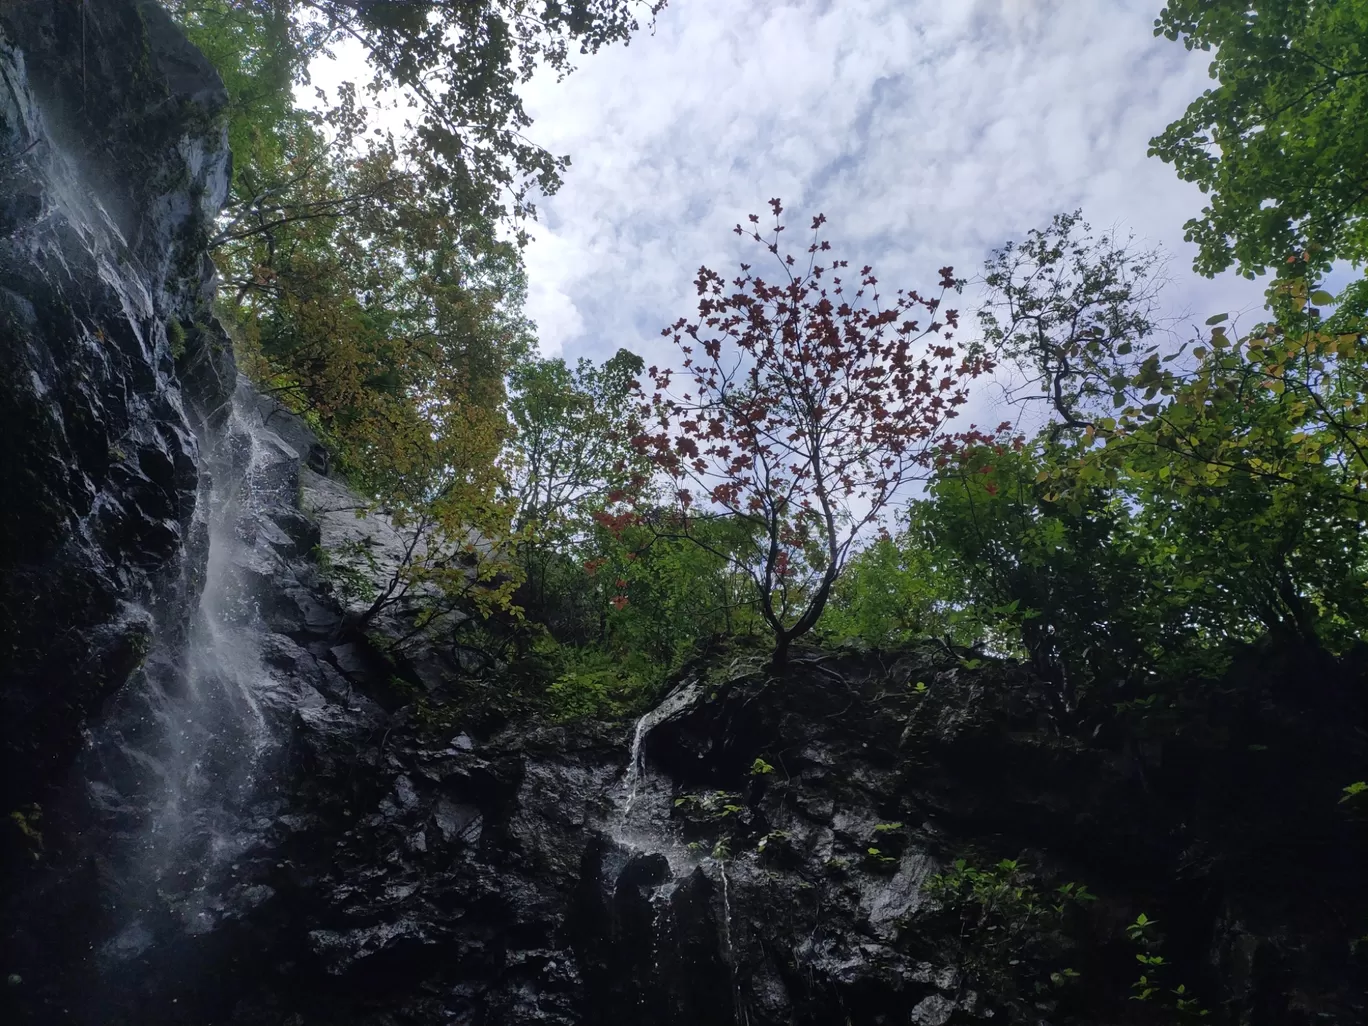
(1152, 986)
(807, 404)
(1010, 931)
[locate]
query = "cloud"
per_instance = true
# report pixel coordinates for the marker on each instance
(929, 133)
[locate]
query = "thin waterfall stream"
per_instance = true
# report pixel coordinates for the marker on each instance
(640, 812)
(174, 771)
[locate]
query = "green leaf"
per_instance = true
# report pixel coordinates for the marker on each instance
(1217, 319)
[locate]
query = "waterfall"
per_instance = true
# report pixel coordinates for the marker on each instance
(636, 762)
(738, 998)
(173, 771)
(639, 827)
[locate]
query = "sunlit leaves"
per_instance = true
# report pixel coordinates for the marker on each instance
(1280, 142)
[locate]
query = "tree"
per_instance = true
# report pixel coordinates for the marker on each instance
(1070, 583)
(1280, 144)
(894, 592)
(570, 447)
(364, 272)
(459, 63)
(811, 404)
(1242, 462)
(568, 452)
(1070, 311)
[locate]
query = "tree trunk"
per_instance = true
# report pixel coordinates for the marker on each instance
(781, 652)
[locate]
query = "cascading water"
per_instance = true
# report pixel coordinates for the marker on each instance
(174, 771)
(738, 1000)
(640, 811)
(636, 763)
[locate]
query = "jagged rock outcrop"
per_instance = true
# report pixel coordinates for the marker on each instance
(113, 164)
(712, 863)
(441, 877)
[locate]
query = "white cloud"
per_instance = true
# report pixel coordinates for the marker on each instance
(928, 133)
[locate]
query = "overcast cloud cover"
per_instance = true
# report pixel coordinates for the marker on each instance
(928, 133)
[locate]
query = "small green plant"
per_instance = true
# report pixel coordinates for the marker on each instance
(920, 687)
(1075, 892)
(710, 804)
(175, 337)
(760, 767)
(1008, 929)
(1149, 986)
(25, 820)
(1354, 790)
(1139, 930)
(774, 837)
(884, 849)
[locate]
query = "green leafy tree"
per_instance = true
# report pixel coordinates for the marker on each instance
(676, 589)
(364, 271)
(1240, 461)
(1280, 143)
(460, 64)
(570, 447)
(365, 280)
(567, 457)
(895, 592)
(1010, 934)
(1075, 585)
(1071, 311)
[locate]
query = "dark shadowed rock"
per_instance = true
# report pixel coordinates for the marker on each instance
(112, 166)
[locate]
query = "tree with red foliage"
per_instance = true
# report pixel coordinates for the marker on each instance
(812, 401)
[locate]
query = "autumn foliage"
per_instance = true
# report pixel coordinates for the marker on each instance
(803, 407)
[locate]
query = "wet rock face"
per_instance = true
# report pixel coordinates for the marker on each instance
(112, 167)
(712, 863)
(425, 873)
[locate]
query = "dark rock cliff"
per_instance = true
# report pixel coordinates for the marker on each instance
(245, 821)
(112, 168)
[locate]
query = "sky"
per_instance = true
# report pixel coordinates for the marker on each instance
(928, 133)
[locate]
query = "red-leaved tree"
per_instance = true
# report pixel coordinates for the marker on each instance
(810, 402)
